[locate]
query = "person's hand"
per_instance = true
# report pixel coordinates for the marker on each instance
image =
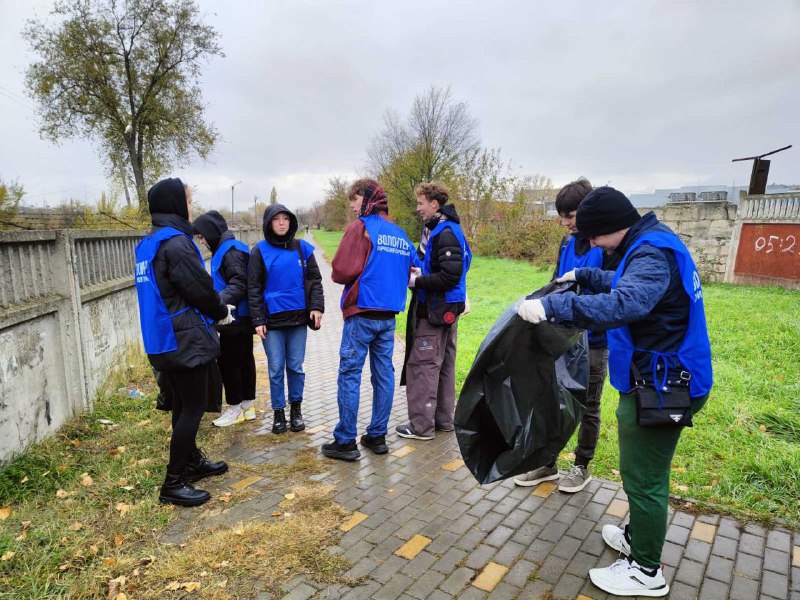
(316, 316)
(567, 277)
(261, 331)
(532, 311)
(229, 319)
(415, 272)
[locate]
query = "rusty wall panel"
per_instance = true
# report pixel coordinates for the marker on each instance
(769, 250)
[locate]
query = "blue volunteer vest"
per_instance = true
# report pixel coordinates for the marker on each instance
(242, 308)
(694, 353)
(285, 275)
(570, 261)
(459, 292)
(383, 283)
(155, 320)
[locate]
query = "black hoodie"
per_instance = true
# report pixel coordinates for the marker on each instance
(183, 283)
(233, 268)
(257, 276)
(446, 257)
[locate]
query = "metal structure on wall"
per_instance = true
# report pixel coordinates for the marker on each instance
(760, 173)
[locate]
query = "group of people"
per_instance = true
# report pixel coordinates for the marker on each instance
(639, 295)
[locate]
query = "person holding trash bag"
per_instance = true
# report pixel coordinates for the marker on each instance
(373, 262)
(284, 287)
(177, 309)
(439, 282)
(659, 360)
(229, 258)
(575, 252)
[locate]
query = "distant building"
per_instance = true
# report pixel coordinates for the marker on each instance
(700, 193)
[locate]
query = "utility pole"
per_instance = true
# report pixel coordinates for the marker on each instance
(233, 186)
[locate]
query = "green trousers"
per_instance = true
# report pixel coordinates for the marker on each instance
(645, 456)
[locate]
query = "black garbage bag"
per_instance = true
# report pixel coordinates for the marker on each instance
(524, 396)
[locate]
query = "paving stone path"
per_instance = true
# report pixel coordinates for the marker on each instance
(421, 527)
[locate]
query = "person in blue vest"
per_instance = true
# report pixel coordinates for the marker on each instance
(178, 306)
(440, 285)
(281, 268)
(373, 262)
(229, 258)
(576, 252)
(652, 307)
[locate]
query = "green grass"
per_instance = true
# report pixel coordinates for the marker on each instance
(743, 454)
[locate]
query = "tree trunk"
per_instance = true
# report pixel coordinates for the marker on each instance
(138, 175)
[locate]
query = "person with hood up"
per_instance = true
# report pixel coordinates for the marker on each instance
(658, 347)
(177, 309)
(440, 293)
(373, 262)
(281, 268)
(229, 258)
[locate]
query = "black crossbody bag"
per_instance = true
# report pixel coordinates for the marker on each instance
(670, 408)
(306, 288)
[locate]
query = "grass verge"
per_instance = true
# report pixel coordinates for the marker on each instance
(80, 517)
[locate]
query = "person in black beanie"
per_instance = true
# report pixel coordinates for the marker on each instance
(652, 308)
(177, 310)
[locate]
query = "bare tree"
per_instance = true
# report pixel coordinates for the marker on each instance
(426, 146)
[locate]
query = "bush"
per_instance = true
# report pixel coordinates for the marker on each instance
(535, 240)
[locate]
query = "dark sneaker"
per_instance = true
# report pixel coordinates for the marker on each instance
(348, 451)
(377, 443)
(177, 491)
(200, 467)
(406, 432)
(444, 428)
(537, 476)
(575, 480)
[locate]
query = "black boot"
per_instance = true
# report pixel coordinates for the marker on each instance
(176, 491)
(296, 417)
(199, 467)
(279, 422)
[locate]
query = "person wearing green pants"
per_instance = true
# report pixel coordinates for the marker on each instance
(652, 308)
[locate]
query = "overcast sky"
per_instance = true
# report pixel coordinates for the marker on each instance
(639, 94)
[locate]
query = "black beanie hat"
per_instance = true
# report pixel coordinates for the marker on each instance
(605, 210)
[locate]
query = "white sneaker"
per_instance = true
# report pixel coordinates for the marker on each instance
(615, 537)
(626, 578)
(249, 410)
(231, 416)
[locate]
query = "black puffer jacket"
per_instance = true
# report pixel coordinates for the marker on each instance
(183, 282)
(257, 277)
(233, 269)
(447, 261)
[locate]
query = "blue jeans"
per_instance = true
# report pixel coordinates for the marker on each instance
(360, 336)
(286, 350)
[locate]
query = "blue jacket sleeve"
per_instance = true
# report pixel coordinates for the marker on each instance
(595, 280)
(640, 288)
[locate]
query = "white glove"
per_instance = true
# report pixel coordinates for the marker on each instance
(229, 319)
(532, 311)
(415, 272)
(569, 276)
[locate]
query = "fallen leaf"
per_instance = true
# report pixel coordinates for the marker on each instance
(762, 428)
(76, 526)
(191, 586)
(127, 488)
(86, 481)
(276, 513)
(682, 488)
(224, 563)
(61, 468)
(75, 443)
(110, 561)
(21, 536)
(144, 461)
(122, 482)
(290, 496)
(173, 586)
(122, 508)
(118, 539)
(62, 494)
(115, 587)
(226, 497)
(615, 472)
(24, 479)
(26, 524)
(144, 423)
(63, 567)
(5, 513)
(121, 596)
(93, 549)
(203, 573)
(7, 556)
